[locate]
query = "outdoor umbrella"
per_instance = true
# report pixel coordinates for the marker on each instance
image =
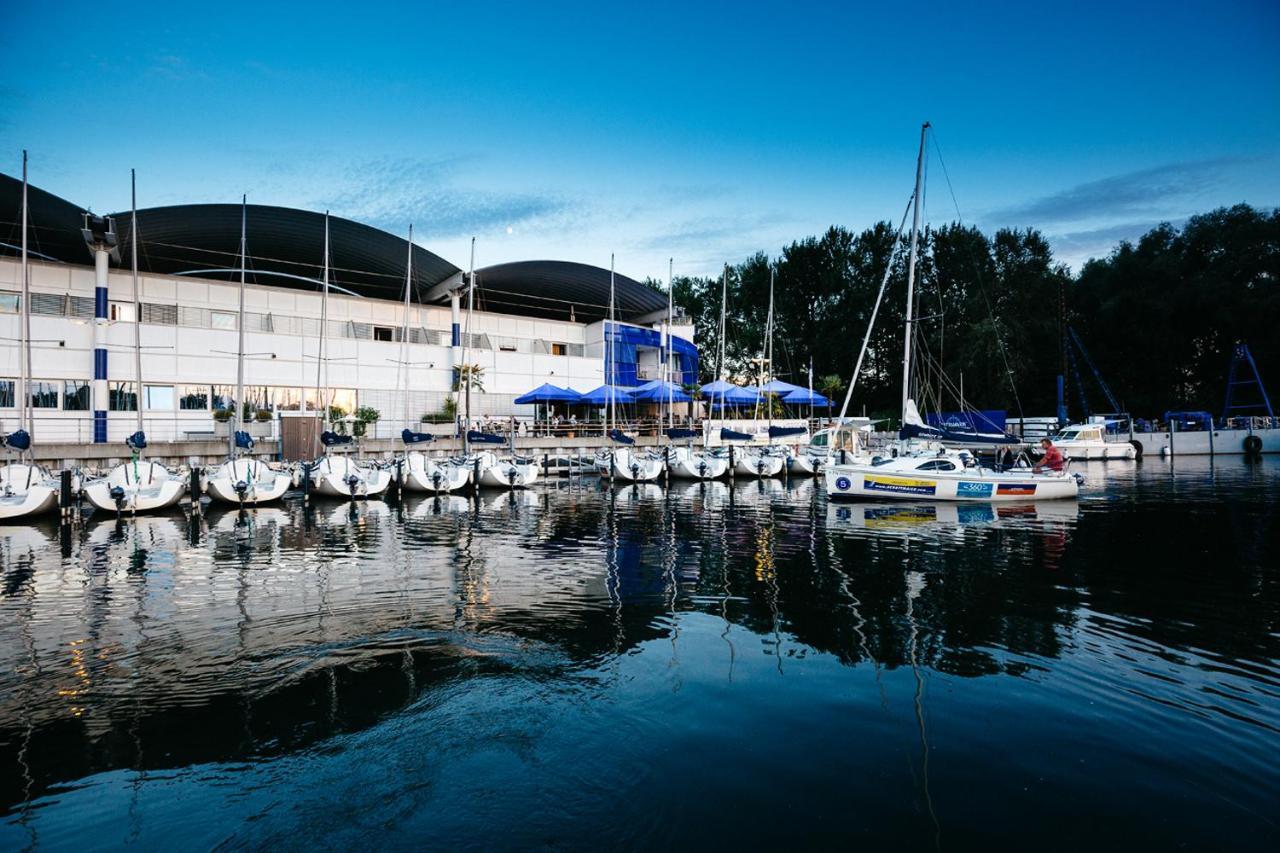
(548, 393)
(729, 394)
(805, 397)
(660, 392)
(782, 389)
(605, 394)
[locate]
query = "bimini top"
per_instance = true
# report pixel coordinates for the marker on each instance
(563, 290)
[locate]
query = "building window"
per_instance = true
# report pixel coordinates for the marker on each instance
(76, 396)
(383, 333)
(193, 398)
(9, 303)
(44, 395)
(160, 398)
(6, 394)
(559, 349)
(222, 320)
(121, 312)
(121, 397)
(288, 399)
(224, 396)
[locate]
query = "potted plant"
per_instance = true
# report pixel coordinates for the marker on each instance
(260, 427)
(365, 415)
(222, 422)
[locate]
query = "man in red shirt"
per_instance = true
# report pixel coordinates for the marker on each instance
(1052, 458)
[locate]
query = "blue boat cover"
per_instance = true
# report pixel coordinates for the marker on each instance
(783, 432)
(408, 436)
(137, 441)
(484, 438)
(681, 432)
(19, 439)
(621, 437)
(244, 440)
(329, 439)
(957, 436)
(733, 435)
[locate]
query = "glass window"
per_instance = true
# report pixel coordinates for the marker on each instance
(288, 399)
(76, 396)
(383, 333)
(193, 398)
(9, 303)
(121, 397)
(44, 395)
(121, 312)
(222, 320)
(6, 394)
(559, 349)
(160, 398)
(224, 396)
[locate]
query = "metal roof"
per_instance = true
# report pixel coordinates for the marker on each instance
(561, 290)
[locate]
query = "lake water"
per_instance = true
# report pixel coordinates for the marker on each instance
(580, 667)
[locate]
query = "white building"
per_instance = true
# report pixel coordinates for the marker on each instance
(533, 322)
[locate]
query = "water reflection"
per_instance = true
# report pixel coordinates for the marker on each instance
(241, 638)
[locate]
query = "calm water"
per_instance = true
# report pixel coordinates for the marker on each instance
(580, 667)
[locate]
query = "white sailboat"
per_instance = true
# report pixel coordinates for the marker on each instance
(339, 476)
(244, 481)
(421, 473)
(688, 462)
(623, 462)
(767, 460)
(26, 489)
(943, 476)
(139, 485)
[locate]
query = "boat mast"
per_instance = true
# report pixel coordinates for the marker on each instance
(911, 276)
(244, 262)
(724, 298)
(324, 325)
(25, 419)
(767, 362)
(610, 412)
(137, 295)
(404, 334)
(671, 392)
(464, 371)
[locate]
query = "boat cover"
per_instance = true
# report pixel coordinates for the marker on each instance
(137, 441)
(329, 438)
(244, 440)
(484, 438)
(408, 436)
(19, 439)
(621, 437)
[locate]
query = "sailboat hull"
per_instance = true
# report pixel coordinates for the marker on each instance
(247, 482)
(802, 465)
(692, 465)
(507, 474)
(134, 487)
(425, 475)
(340, 477)
(25, 491)
(758, 465)
(906, 482)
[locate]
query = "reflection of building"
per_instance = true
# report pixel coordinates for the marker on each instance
(535, 322)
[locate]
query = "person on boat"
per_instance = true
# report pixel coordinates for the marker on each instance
(1052, 458)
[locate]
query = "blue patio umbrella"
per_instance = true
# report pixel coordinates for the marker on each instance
(782, 389)
(805, 397)
(605, 394)
(729, 394)
(660, 392)
(548, 393)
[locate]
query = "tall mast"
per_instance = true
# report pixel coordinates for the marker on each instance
(464, 371)
(767, 363)
(724, 299)
(671, 392)
(137, 295)
(911, 276)
(244, 262)
(25, 421)
(321, 406)
(404, 334)
(610, 411)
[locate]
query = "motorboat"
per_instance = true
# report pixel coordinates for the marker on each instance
(242, 481)
(139, 485)
(1088, 441)
(26, 489)
(340, 476)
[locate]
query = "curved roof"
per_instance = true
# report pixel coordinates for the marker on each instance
(53, 232)
(561, 290)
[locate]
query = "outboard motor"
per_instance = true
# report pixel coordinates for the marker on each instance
(352, 482)
(635, 470)
(436, 478)
(702, 468)
(242, 488)
(117, 495)
(513, 475)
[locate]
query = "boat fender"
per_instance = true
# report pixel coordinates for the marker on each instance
(1137, 448)
(1252, 445)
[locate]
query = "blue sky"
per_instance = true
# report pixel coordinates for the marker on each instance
(701, 132)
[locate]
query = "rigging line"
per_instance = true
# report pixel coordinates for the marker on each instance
(977, 272)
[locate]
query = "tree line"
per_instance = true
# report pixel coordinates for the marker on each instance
(1160, 316)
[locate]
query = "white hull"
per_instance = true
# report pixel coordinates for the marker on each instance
(26, 491)
(1084, 450)
(136, 486)
(342, 477)
(422, 474)
(690, 464)
(626, 465)
(902, 479)
(258, 484)
(1204, 443)
(757, 464)
(498, 473)
(802, 465)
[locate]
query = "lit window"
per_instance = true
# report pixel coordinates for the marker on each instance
(559, 349)
(160, 398)
(222, 320)
(76, 396)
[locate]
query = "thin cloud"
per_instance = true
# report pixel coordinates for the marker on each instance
(1077, 247)
(1144, 194)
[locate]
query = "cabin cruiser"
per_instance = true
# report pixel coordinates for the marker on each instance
(340, 476)
(139, 485)
(1088, 441)
(26, 489)
(423, 474)
(242, 481)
